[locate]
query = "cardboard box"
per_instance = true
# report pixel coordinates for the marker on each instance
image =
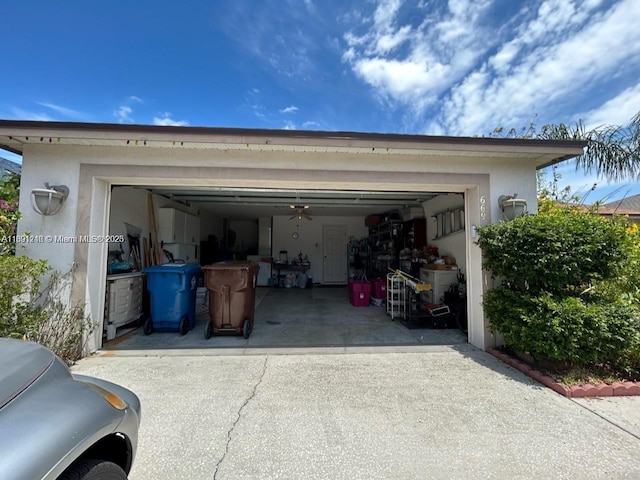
(372, 220)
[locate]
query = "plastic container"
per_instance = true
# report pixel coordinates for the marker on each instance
(232, 295)
(173, 288)
(359, 293)
(379, 288)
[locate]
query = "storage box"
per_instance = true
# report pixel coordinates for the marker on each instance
(379, 288)
(411, 213)
(359, 293)
(372, 220)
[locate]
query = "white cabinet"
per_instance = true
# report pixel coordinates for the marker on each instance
(176, 226)
(171, 225)
(192, 230)
(123, 302)
(440, 280)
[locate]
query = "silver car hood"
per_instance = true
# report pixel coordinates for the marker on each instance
(22, 364)
(56, 417)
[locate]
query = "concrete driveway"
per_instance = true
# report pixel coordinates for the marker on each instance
(411, 412)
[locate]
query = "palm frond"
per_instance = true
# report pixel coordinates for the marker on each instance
(612, 151)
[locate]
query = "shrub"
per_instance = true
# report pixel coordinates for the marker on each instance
(582, 330)
(555, 252)
(33, 312)
(9, 214)
(570, 287)
(19, 284)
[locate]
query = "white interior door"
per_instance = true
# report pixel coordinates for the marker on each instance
(334, 239)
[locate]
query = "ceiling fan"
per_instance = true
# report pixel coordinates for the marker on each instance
(300, 212)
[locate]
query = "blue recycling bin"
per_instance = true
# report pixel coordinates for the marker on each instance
(172, 288)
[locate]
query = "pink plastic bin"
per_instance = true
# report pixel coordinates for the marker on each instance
(379, 288)
(359, 293)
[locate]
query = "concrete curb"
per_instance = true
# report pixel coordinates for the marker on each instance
(576, 391)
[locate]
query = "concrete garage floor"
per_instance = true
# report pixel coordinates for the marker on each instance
(298, 318)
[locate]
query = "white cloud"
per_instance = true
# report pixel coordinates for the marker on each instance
(289, 126)
(388, 42)
(28, 115)
(289, 109)
(411, 64)
(618, 110)
(526, 77)
(386, 12)
(451, 70)
(67, 112)
(281, 38)
(165, 120)
(123, 114)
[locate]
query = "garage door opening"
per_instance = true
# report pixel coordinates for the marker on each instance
(310, 246)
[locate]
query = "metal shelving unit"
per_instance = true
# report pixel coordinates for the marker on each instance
(385, 240)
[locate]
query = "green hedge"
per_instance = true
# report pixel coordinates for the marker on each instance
(20, 277)
(569, 289)
(33, 306)
(581, 330)
(556, 252)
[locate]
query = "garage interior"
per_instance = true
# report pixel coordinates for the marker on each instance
(310, 245)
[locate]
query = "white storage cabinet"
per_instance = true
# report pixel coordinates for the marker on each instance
(123, 303)
(179, 233)
(176, 226)
(440, 280)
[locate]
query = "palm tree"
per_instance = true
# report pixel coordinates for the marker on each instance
(612, 151)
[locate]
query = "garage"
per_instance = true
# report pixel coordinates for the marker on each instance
(310, 245)
(232, 179)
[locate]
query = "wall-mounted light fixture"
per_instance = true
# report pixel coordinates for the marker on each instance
(49, 200)
(511, 206)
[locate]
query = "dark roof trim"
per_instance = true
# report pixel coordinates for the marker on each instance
(281, 133)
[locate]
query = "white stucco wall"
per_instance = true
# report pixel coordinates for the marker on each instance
(40, 165)
(130, 205)
(453, 245)
(277, 169)
(309, 241)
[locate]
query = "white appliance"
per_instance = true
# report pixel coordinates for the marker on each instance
(439, 281)
(264, 236)
(264, 274)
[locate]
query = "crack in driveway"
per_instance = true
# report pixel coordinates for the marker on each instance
(233, 426)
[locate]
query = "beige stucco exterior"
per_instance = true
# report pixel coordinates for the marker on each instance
(90, 161)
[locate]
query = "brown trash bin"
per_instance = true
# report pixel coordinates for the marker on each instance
(232, 294)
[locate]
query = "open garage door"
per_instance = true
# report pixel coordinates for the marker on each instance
(309, 244)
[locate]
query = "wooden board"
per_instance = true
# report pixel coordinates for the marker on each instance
(155, 248)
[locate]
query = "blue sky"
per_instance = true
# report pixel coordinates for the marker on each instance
(457, 67)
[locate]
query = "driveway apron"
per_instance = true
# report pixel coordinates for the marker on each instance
(426, 412)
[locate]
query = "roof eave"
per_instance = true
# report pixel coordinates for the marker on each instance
(561, 149)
